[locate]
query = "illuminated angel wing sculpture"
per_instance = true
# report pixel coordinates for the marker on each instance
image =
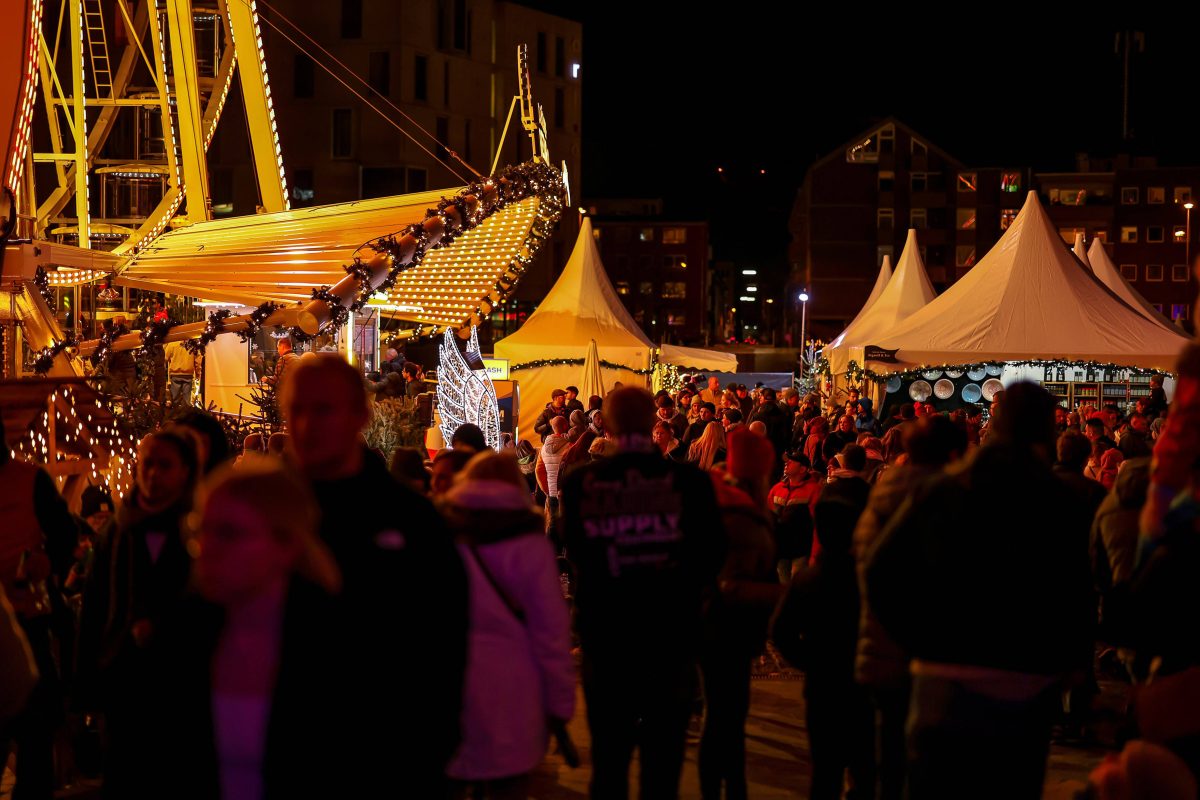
(466, 394)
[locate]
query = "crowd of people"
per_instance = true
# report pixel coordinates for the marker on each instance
(304, 615)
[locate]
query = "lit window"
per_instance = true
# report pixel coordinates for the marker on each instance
(885, 217)
(749, 272)
(646, 287)
(751, 288)
(887, 180)
(575, 69)
(966, 219)
(918, 181)
(1100, 235)
(675, 290)
(1179, 311)
(622, 287)
(964, 255)
(1129, 234)
(1068, 234)
(1010, 181)
(1154, 233)
(674, 235)
(1007, 216)
(677, 319)
(1071, 196)
(1129, 272)
(646, 235)
(1154, 272)
(868, 150)
(1179, 273)
(967, 181)
(1156, 195)
(1183, 194)
(1129, 195)
(918, 218)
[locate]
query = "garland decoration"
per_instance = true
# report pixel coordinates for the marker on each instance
(42, 281)
(214, 328)
(257, 318)
(45, 357)
(575, 362)
(155, 331)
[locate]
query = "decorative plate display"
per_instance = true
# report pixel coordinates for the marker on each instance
(954, 373)
(977, 374)
(893, 384)
(991, 387)
(931, 374)
(920, 391)
(943, 389)
(971, 393)
(995, 370)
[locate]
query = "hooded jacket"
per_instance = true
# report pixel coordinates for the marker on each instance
(519, 673)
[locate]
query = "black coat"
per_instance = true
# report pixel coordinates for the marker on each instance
(404, 604)
(816, 626)
(778, 422)
(317, 740)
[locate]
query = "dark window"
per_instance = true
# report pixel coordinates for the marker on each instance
(382, 181)
(302, 188)
(443, 24)
(380, 72)
(303, 76)
(541, 52)
(352, 15)
(418, 179)
(443, 134)
(560, 108)
(446, 84)
(421, 78)
(343, 133)
(461, 34)
(560, 57)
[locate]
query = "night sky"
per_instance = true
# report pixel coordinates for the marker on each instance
(668, 99)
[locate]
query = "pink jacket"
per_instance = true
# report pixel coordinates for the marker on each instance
(518, 675)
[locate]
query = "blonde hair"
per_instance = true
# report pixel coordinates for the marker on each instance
(704, 450)
(287, 504)
(492, 466)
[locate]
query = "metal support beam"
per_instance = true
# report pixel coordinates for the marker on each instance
(79, 112)
(187, 104)
(260, 114)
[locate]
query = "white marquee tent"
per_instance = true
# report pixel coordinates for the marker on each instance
(881, 282)
(1029, 299)
(908, 291)
(1111, 277)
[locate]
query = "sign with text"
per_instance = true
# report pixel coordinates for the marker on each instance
(876, 353)
(497, 368)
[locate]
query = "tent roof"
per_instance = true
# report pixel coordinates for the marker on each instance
(907, 292)
(1111, 277)
(581, 306)
(1029, 298)
(881, 282)
(697, 358)
(1080, 251)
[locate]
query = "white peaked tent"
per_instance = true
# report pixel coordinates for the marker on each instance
(908, 291)
(1111, 277)
(1081, 252)
(1029, 298)
(581, 306)
(881, 282)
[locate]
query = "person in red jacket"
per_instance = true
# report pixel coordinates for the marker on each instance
(792, 501)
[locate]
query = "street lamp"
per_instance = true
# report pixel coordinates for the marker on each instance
(1187, 233)
(803, 322)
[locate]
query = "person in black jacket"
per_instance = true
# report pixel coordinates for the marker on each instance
(557, 407)
(992, 638)
(404, 596)
(816, 629)
(251, 675)
(771, 414)
(646, 538)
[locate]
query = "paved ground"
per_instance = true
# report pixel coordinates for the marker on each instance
(777, 752)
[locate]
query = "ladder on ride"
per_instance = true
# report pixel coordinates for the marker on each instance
(93, 22)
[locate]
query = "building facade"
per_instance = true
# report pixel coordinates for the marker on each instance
(856, 205)
(659, 267)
